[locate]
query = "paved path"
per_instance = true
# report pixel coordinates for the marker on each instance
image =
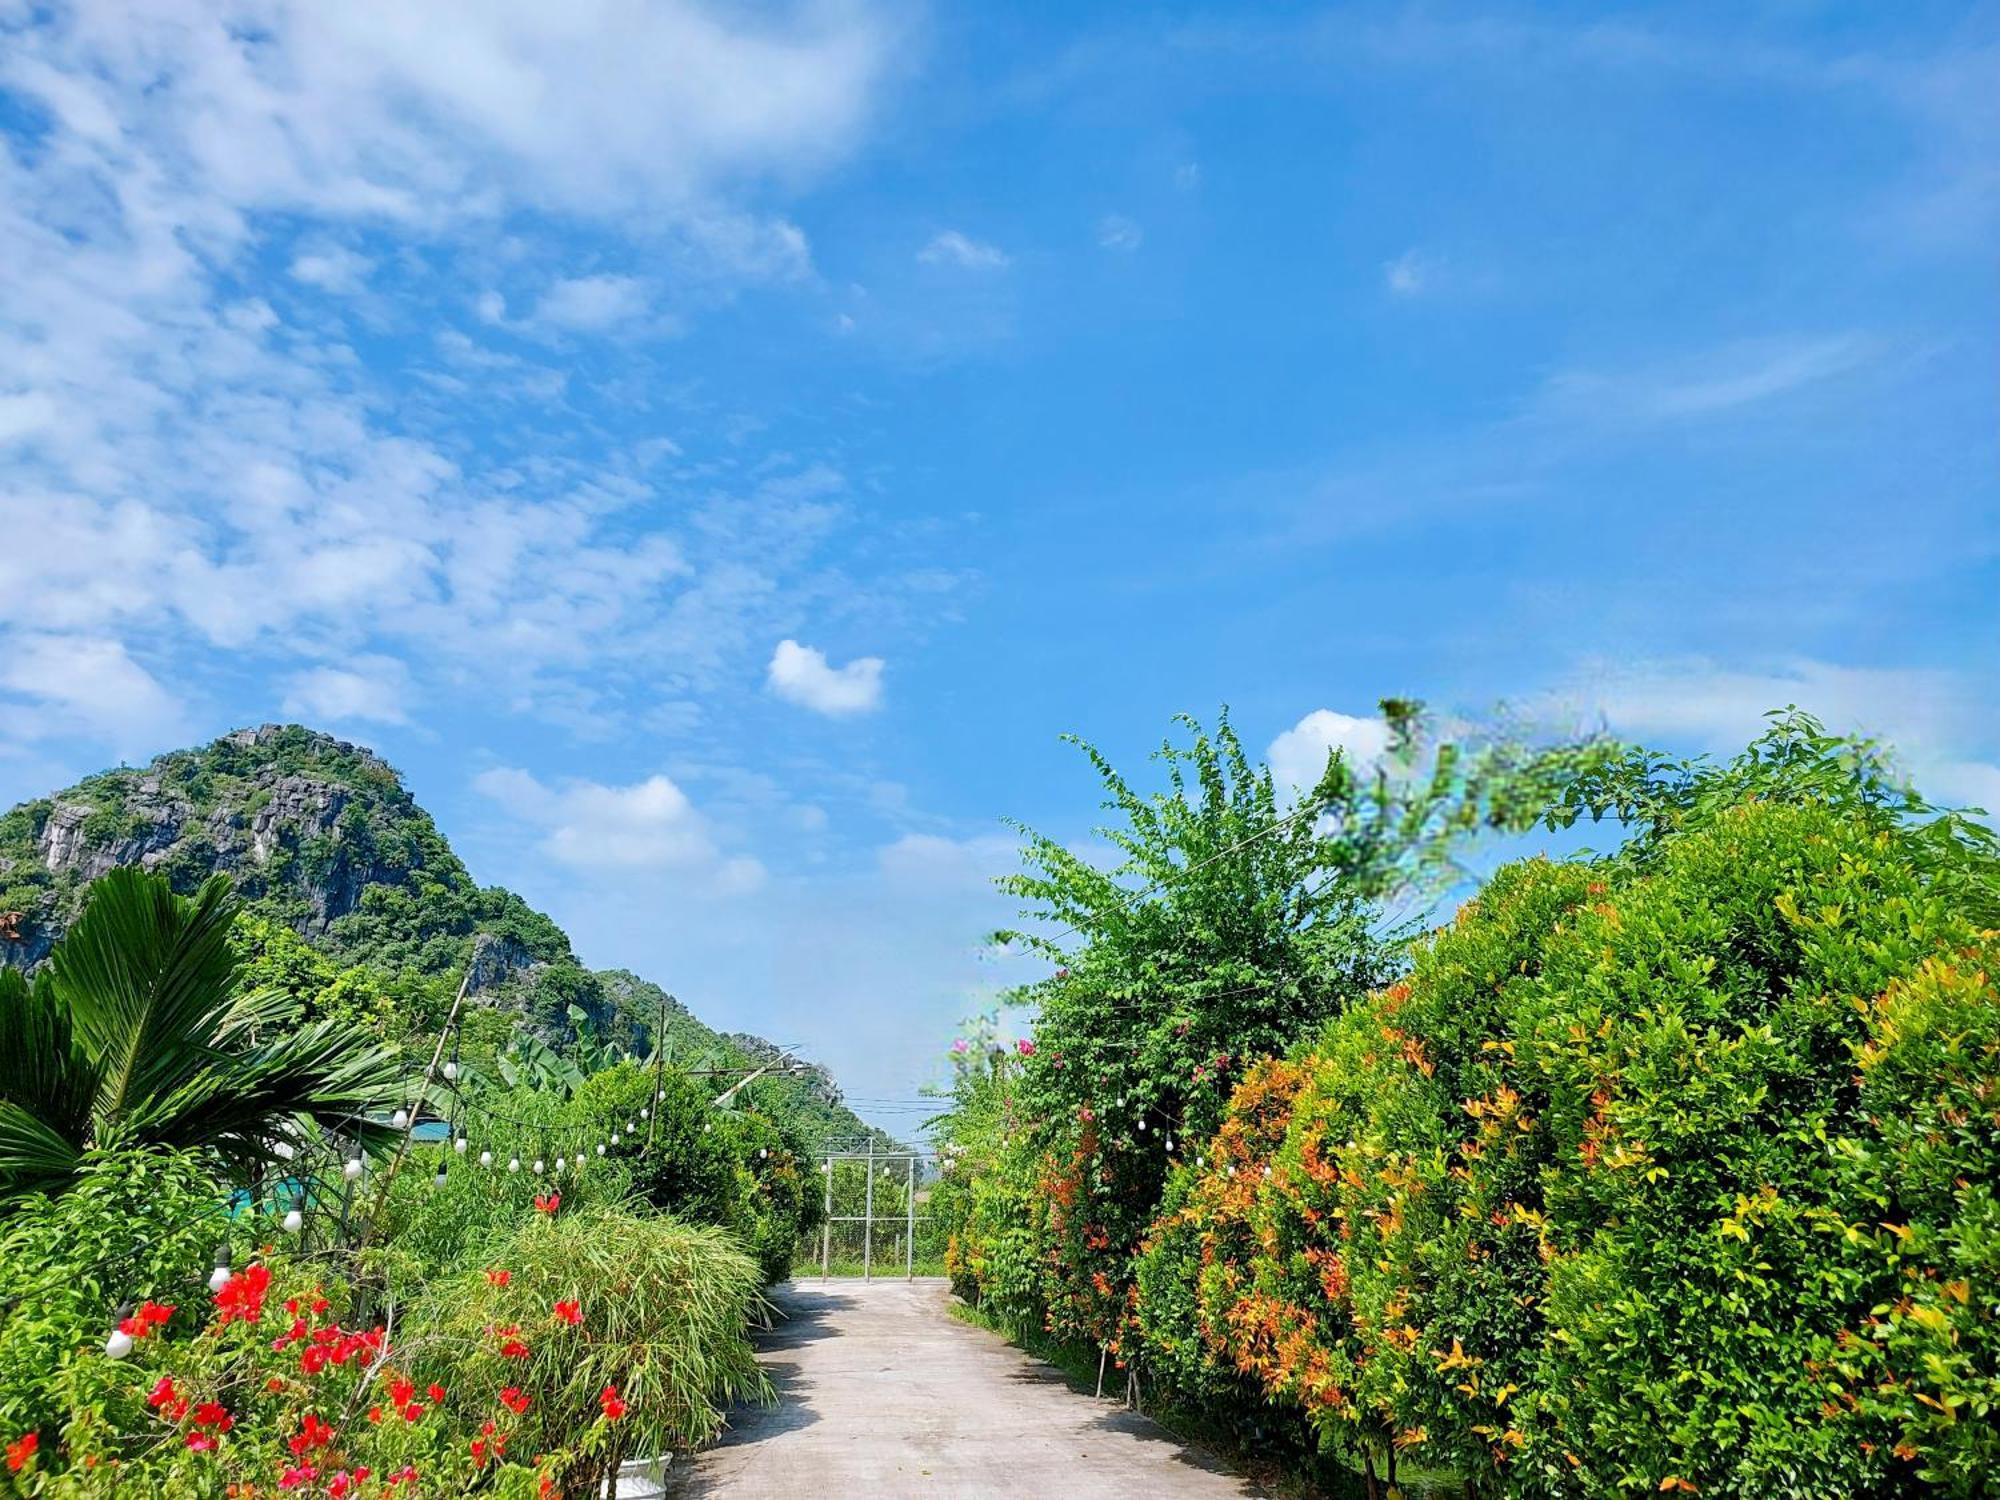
(883, 1394)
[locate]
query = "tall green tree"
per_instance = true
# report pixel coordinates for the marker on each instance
(1233, 924)
(136, 1033)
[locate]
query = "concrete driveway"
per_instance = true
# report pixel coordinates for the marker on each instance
(883, 1394)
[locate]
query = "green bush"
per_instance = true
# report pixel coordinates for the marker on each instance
(133, 1225)
(1673, 1173)
(662, 1308)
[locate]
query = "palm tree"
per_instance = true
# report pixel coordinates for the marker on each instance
(135, 1034)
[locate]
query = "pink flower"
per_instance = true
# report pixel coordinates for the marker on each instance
(1025, 1047)
(961, 1046)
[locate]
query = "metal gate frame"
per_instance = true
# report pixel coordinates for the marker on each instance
(866, 1218)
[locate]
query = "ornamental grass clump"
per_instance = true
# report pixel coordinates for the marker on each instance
(627, 1330)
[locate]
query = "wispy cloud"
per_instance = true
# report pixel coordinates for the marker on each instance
(1116, 232)
(950, 247)
(1712, 382)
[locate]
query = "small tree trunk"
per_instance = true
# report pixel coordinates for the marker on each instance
(1368, 1467)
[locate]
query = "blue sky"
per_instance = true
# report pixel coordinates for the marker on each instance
(716, 451)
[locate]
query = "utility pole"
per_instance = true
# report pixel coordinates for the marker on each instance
(910, 1229)
(659, 1070)
(868, 1217)
(826, 1225)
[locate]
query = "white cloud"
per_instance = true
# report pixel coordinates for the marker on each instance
(1298, 756)
(1116, 232)
(1409, 273)
(951, 248)
(802, 675)
(594, 303)
(84, 684)
(588, 825)
(332, 269)
(1934, 720)
(374, 688)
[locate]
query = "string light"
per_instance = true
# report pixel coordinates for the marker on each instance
(219, 1277)
(293, 1222)
(438, 1181)
(451, 1071)
(400, 1120)
(352, 1168)
(459, 1145)
(486, 1158)
(538, 1166)
(120, 1343)
(513, 1163)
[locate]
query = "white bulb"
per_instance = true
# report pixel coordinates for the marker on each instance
(646, 1114)
(513, 1163)
(486, 1158)
(705, 1129)
(294, 1222)
(538, 1166)
(218, 1278)
(439, 1179)
(459, 1145)
(451, 1072)
(560, 1163)
(118, 1345)
(351, 1168)
(400, 1120)
(600, 1148)
(631, 1127)
(762, 1153)
(1142, 1127)
(1170, 1143)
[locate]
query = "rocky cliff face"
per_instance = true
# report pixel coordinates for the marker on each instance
(314, 831)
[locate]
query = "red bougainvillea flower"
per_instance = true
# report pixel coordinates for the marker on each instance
(374, 1413)
(200, 1442)
(313, 1433)
(511, 1346)
(292, 1478)
(314, 1359)
(570, 1312)
(242, 1296)
(402, 1392)
(213, 1414)
(406, 1474)
(435, 1392)
(612, 1403)
(413, 1412)
(149, 1316)
(499, 1278)
(547, 1489)
(549, 1204)
(479, 1453)
(515, 1399)
(21, 1450)
(164, 1392)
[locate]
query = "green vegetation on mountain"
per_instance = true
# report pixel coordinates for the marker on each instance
(356, 906)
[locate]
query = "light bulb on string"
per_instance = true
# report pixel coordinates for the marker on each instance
(219, 1277)
(459, 1145)
(352, 1168)
(486, 1158)
(400, 1120)
(538, 1166)
(646, 1113)
(514, 1164)
(560, 1163)
(293, 1222)
(438, 1181)
(600, 1148)
(451, 1072)
(120, 1343)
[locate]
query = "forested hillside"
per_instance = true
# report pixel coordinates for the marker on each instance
(327, 846)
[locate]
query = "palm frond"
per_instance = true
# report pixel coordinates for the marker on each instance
(145, 976)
